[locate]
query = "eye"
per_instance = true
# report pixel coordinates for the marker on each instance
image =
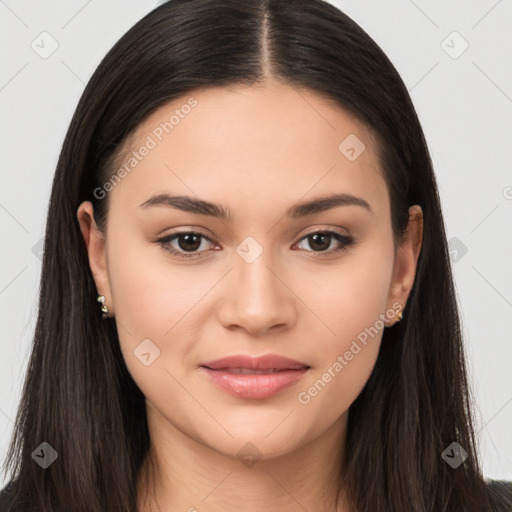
(186, 244)
(320, 241)
(186, 241)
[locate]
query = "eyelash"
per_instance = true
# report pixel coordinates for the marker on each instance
(345, 240)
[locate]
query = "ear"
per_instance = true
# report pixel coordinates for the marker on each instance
(95, 244)
(406, 260)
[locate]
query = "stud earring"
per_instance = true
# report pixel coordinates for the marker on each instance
(398, 317)
(104, 307)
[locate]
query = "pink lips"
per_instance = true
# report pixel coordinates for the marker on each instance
(254, 377)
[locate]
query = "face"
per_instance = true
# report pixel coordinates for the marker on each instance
(270, 277)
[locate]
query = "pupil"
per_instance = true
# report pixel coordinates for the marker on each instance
(325, 237)
(188, 238)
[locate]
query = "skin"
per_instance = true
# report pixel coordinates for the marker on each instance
(257, 151)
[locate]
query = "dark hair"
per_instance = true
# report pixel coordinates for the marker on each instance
(78, 394)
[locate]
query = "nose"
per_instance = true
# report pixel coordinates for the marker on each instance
(256, 297)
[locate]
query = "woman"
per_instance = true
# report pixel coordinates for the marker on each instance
(246, 299)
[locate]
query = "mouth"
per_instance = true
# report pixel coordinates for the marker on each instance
(248, 371)
(254, 378)
(268, 363)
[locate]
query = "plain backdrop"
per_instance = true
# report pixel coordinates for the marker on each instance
(454, 58)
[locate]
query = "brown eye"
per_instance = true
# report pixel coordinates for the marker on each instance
(187, 243)
(320, 241)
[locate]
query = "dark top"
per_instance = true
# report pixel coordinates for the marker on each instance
(500, 492)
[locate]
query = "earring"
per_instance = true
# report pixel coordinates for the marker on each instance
(398, 317)
(104, 307)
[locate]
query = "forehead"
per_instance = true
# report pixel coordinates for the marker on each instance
(240, 142)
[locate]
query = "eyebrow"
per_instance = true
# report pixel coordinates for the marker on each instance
(198, 206)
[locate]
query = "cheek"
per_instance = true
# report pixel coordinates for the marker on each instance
(351, 302)
(347, 351)
(153, 306)
(349, 296)
(151, 294)
(333, 388)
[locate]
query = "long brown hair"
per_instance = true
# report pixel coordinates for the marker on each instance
(78, 395)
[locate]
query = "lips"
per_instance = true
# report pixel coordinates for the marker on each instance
(264, 364)
(254, 377)
(247, 371)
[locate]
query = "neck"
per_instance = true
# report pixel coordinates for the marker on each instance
(183, 474)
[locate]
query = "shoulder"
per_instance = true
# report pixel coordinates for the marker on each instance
(9, 502)
(6, 490)
(500, 495)
(6, 496)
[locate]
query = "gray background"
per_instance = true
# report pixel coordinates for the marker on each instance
(464, 100)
